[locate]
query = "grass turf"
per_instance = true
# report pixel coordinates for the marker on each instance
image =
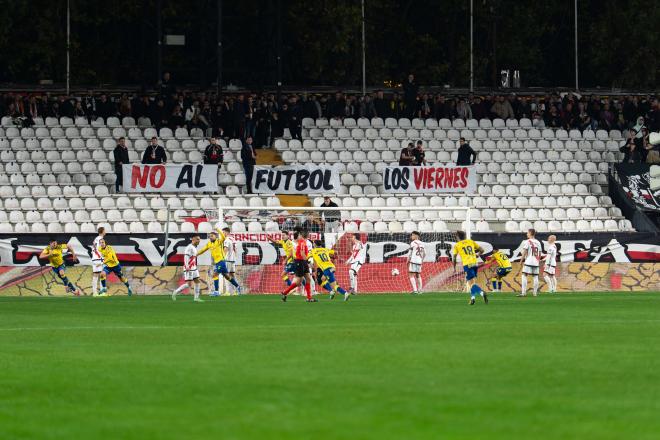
(378, 367)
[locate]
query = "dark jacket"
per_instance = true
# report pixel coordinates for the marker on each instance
(213, 154)
(121, 156)
(158, 152)
(246, 155)
(466, 155)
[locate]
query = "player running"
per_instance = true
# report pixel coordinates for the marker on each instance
(469, 250)
(230, 258)
(288, 269)
(97, 261)
(301, 267)
(531, 256)
(550, 264)
(356, 260)
(323, 260)
(216, 245)
(416, 256)
(111, 265)
(190, 270)
(54, 252)
(503, 268)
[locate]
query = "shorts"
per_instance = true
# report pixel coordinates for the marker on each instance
(190, 275)
(355, 266)
(56, 270)
(550, 270)
(530, 270)
(220, 267)
(97, 266)
(330, 275)
(414, 268)
(470, 272)
(503, 271)
(289, 267)
(301, 268)
(231, 266)
(115, 269)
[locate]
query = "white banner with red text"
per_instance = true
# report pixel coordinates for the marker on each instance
(182, 177)
(296, 179)
(449, 179)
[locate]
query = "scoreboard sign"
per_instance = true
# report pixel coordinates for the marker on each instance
(441, 179)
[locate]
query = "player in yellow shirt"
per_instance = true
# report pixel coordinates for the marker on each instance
(503, 268)
(110, 265)
(216, 245)
(326, 270)
(289, 269)
(54, 252)
(469, 251)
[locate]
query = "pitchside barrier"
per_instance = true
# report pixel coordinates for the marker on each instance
(587, 262)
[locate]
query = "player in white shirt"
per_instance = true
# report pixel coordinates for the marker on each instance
(355, 262)
(230, 260)
(97, 261)
(310, 267)
(550, 264)
(531, 258)
(416, 256)
(190, 270)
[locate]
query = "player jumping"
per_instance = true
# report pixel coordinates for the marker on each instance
(469, 250)
(216, 245)
(416, 256)
(288, 269)
(54, 252)
(503, 268)
(550, 264)
(111, 265)
(323, 260)
(531, 255)
(356, 260)
(190, 270)
(97, 261)
(301, 266)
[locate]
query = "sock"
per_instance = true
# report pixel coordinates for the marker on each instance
(353, 278)
(216, 284)
(234, 282)
(548, 281)
(181, 288)
(419, 283)
(499, 285)
(494, 281)
(535, 284)
(414, 284)
(340, 290)
(308, 290)
(290, 288)
(523, 284)
(103, 282)
(197, 291)
(554, 283)
(326, 286)
(95, 284)
(475, 290)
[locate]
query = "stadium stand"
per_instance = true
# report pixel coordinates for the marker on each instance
(57, 174)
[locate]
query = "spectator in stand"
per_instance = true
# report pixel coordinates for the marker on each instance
(331, 217)
(463, 110)
(166, 86)
(537, 121)
(381, 106)
(79, 111)
(276, 128)
(502, 109)
(160, 118)
(104, 108)
(441, 109)
(154, 154)
(630, 151)
(176, 118)
(213, 154)
(311, 107)
(606, 121)
(337, 106)
(397, 107)
(525, 108)
(553, 118)
(367, 108)
(250, 118)
(410, 91)
(249, 158)
(466, 155)
(120, 154)
(295, 119)
(407, 156)
(478, 109)
(239, 111)
(420, 156)
(568, 117)
(425, 107)
(349, 107)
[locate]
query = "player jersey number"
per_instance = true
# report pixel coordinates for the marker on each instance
(468, 250)
(534, 251)
(323, 258)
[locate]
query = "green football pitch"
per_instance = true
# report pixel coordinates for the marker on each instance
(569, 366)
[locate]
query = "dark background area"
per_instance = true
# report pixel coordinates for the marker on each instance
(114, 42)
